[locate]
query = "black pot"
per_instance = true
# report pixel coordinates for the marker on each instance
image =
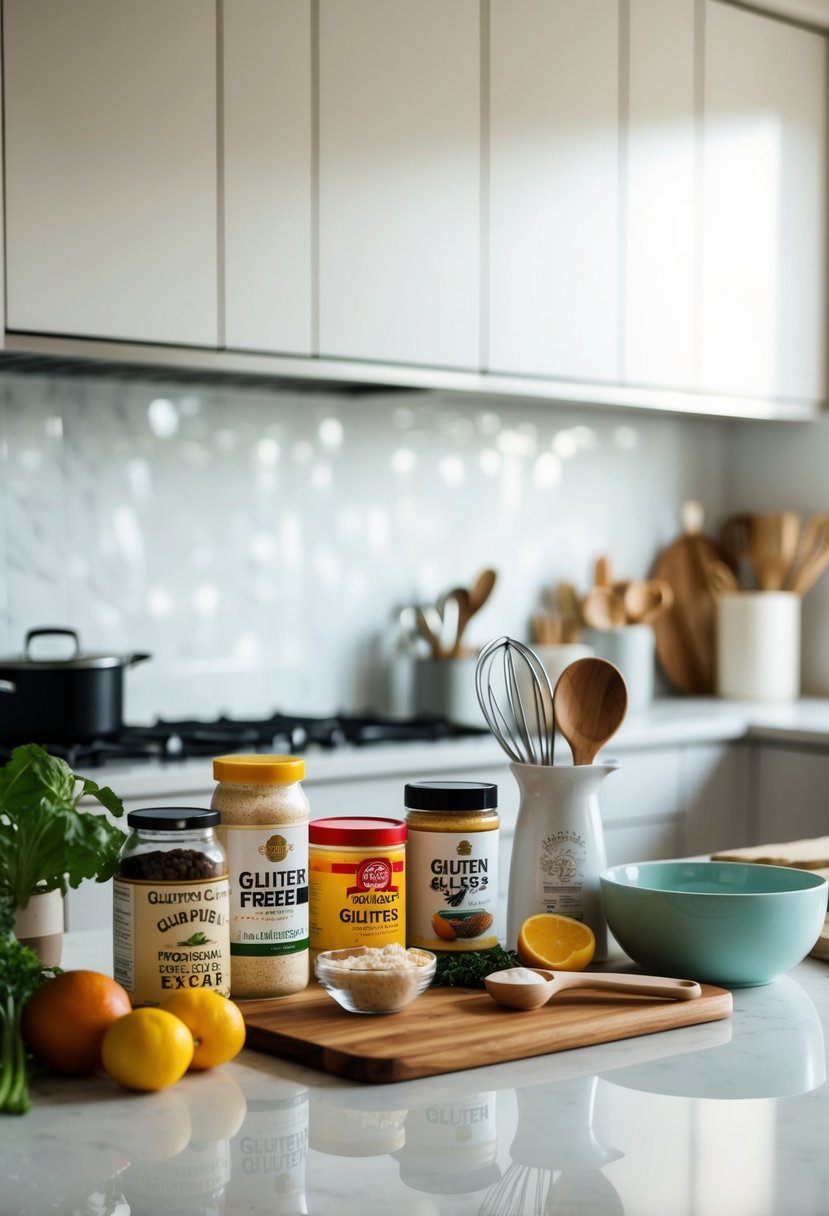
(72, 700)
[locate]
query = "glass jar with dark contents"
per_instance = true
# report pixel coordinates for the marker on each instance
(171, 903)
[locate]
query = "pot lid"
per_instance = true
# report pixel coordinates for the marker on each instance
(77, 660)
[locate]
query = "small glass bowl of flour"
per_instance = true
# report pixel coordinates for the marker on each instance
(375, 979)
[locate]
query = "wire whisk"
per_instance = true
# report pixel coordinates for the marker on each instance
(516, 699)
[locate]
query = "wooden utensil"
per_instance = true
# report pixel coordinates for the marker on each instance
(313, 1030)
(603, 608)
(772, 547)
(429, 624)
(569, 608)
(589, 705)
(481, 590)
(813, 555)
(645, 599)
(529, 995)
(684, 635)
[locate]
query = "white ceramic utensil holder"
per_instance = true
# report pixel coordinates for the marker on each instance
(631, 648)
(758, 646)
(558, 851)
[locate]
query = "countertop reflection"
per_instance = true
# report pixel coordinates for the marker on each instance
(728, 1117)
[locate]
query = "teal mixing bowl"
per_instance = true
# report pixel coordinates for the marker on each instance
(724, 922)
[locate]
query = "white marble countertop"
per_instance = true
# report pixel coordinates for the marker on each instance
(725, 1118)
(668, 722)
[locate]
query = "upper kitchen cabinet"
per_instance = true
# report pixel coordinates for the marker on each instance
(553, 290)
(111, 169)
(764, 265)
(399, 181)
(659, 150)
(267, 175)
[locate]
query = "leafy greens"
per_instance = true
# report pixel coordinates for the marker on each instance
(46, 842)
(20, 974)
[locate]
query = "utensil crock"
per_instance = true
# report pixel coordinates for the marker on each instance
(558, 851)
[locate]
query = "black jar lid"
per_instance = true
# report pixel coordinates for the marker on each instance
(451, 796)
(173, 818)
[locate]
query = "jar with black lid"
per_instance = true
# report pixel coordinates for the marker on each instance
(171, 905)
(452, 865)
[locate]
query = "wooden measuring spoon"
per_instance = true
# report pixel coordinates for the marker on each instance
(590, 701)
(532, 994)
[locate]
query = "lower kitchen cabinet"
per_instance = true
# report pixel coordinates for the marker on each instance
(714, 783)
(789, 793)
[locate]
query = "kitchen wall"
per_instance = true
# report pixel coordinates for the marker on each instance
(261, 544)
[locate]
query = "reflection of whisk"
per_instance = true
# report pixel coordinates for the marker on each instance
(521, 1191)
(516, 699)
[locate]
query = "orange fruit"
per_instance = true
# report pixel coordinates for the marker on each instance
(557, 942)
(148, 1049)
(64, 1020)
(215, 1022)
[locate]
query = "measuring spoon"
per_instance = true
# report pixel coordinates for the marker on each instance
(532, 994)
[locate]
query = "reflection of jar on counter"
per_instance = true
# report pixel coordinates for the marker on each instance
(268, 1157)
(452, 883)
(451, 1147)
(171, 905)
(264, 828)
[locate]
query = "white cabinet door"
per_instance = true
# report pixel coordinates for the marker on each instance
(763, 305)
(790, 794)
(554, 189)
(660, 244)
(714, 792)
(111, 169)
(399, 181)
(267, 175)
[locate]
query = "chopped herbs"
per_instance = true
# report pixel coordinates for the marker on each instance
(469, 968)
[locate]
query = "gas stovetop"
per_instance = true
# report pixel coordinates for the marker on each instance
(281, 733)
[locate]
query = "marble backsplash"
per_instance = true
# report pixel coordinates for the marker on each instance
(262, 544)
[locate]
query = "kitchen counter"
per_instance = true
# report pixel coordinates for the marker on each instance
(728, 1117)
(668, 722)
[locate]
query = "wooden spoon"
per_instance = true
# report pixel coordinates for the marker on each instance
(603, 608)
(589, 704)
(813, 557)
(645, 599)
(481, 590)
(532, 995)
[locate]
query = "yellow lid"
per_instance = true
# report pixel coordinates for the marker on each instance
(259, 769)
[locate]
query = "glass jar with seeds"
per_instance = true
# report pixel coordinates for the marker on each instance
(264, 814)
(171, 905)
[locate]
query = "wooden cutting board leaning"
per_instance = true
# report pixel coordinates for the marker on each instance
(685, 634)
(450, 1029)
(804, 855)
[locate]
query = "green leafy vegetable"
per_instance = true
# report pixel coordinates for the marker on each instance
(46, 842)
(469, 968)
(20, 974)
(196, 939)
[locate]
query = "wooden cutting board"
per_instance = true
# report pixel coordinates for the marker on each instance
(810, 854)
(449, 1029)
(685, 634)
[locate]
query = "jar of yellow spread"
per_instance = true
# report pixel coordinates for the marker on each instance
(264, 815)
(357, 882)
(452, 894)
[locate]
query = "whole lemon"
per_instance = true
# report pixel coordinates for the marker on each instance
(215, 1022)
(147, 1049)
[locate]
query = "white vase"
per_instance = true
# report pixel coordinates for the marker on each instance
(40, 926)
(558, 852)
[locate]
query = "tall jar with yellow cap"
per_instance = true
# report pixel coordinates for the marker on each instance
(264, 829)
